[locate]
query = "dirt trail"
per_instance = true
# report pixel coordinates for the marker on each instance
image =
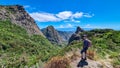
(90, 64)
(77, 63)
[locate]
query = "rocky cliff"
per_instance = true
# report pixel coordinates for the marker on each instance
(55, 36)
(76, 35)
(52, 35)
(17, 15)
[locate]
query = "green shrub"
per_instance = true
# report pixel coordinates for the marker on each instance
(19, 49)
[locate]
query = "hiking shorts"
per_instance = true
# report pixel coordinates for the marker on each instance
(84, 50)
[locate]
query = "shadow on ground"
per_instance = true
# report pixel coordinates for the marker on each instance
(82, 63)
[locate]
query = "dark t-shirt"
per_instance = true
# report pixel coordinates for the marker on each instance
(86, 43)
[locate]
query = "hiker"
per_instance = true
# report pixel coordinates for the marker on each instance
(86, 45)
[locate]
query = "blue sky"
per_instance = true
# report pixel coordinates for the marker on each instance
(67, 14)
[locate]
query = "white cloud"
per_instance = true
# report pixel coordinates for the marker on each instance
(77, 15)
(88, 25)
(72, 20)
(26, 6)
(64, 15)
(61, 16)
(75, 21)
(61, 26)
(44, 17)
(88, 15)
(93, 26)
(68, 25)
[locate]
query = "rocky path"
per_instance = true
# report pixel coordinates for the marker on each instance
(77, 63)
(86, 64)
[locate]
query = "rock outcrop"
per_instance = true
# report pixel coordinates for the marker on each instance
(76, 35)
(17, 15)
(55, 36)
(79, 30)
(52, 35)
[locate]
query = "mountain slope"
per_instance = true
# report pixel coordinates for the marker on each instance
(19, 49)
(104, 52)
(72, 59)
(17, 15)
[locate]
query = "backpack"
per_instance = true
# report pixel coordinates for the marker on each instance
(89, 43)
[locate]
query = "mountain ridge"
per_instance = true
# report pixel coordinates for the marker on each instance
(76, 36)
(56, 36)
(16, 14)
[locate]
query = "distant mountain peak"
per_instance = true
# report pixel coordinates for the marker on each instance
(79, 30)
(50, 27)
(55, 36)
(52, 35)
(76, 35)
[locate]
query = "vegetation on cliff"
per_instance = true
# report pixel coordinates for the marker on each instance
(19, 49)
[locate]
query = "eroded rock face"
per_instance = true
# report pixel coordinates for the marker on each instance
(52, 35)
(76, 36)
(17, 15)
(55, 36)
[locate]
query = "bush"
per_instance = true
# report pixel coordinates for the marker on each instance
(58, 62)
